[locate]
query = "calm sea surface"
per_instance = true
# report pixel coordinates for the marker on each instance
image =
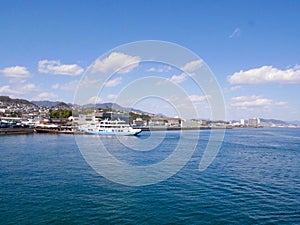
(255, 179)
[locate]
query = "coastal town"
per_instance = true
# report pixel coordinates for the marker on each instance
(19, 115)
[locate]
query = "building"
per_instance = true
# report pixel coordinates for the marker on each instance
(253, 122)
(242, 122)
(116, 116)
(193, 123)
(139, 122)
(174, 122)
(157, 121)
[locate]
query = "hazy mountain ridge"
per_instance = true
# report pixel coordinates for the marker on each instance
(8, 100)
(270, 122)
(51, 103)
(110, 105)
(296, 122)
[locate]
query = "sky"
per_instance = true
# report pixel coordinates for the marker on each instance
(251, 47)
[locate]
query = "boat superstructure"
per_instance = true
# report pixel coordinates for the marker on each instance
(115, 127)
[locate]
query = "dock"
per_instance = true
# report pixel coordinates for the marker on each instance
(4, 131)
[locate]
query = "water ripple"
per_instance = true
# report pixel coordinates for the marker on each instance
(255, 179)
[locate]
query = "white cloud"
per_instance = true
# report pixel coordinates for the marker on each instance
(101, 99)
(111, 97)
(55, 67)
(254, 101)
(159, 69)
(113, 83)
(16, 72)
(188, 69)
(153, 69)
(56, 86)
(95, 100)
(236, 32)
(46, 96)
(116, 61)
(192, 66)
(28, 88)
(8, 90)
(178, 78)
(297, 67)
(266, 74)
(234, 88)
(198, 98)
(70, 86)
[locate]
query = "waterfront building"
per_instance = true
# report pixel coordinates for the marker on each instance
(242, 122)
(116, 116)
(193, 123)
(253, 122)
(139, 122)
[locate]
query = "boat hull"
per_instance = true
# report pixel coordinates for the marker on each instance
(128, 133)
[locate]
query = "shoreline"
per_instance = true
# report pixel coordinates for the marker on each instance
(19, 131)
(8, 131)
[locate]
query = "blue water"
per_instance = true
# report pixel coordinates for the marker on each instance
(255, 179)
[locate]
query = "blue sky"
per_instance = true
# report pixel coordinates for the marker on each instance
(252, 47)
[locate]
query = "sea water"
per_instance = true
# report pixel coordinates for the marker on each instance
(254, 179)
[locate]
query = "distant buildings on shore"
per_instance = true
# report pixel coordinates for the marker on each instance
(251, 122)
(22, 112)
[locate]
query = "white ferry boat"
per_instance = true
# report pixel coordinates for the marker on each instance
(115, 127)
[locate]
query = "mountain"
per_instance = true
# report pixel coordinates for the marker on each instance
(7, 100)
(63, 105)
(51, 104)
(45, 103)
(296, 122)
(270, 122)
(161, 115)
(110, 105)
(273, 121)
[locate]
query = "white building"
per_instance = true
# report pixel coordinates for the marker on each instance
(242, 121)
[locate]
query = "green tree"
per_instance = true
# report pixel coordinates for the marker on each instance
(61, 113)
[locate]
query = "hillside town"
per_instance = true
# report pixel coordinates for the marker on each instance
(62, 117)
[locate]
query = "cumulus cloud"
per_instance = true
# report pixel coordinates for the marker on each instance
(113, 82)
(116, 61)
(254, 101)
(188, 69)
(8, 90)
(192, 66)
(55, 67)
(46, 96)
(16, 72)
(178, 78)
(236, 32)
(266, 74)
